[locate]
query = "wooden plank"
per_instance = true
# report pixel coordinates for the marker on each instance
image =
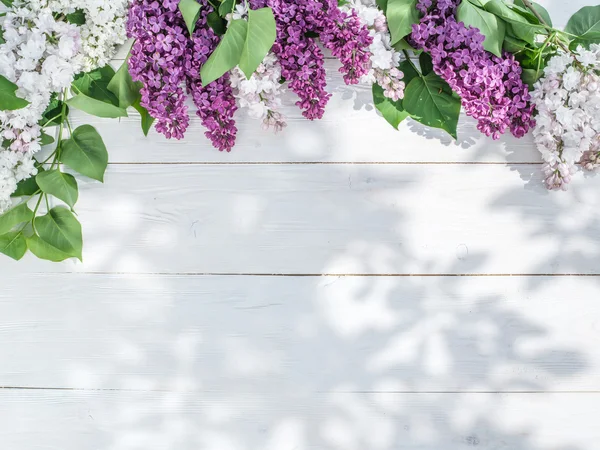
(349, 219)
(350, 131)
(230, 421)
(271, 335)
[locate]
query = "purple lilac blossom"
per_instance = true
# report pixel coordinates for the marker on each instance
(490, 87)
(164, 58)
(302, 63)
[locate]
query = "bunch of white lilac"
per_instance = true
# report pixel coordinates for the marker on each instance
(261, 94)
(567, 128)
(41, 55)
(384, 58)
(103, 30)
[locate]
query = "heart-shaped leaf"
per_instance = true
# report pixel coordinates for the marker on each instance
(585, 23)
(260, 37)
(429, 100)
(227, 54)
(59, 184)
(85, 152)
(392, 111)
(123, 87)
(401, 15)
(15, 216)
(13, 245)
(61, 230)
(43, 250)
(190, 10)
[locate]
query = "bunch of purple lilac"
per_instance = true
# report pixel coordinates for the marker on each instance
(165, 58)
(302, 63)
(490, 87)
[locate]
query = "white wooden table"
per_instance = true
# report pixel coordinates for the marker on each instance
(340, 286)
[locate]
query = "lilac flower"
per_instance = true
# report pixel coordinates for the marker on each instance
(301, 59)
(490, 87)
(165, 59)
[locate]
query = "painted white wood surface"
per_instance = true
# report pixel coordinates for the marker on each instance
(140, 347)
(273, 335)
(350, 219)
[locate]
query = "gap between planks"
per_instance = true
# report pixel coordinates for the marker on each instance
(332, 275)
(329, 163)
(416, 392)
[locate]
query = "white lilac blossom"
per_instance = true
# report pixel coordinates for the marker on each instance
(384, 58)
(261, 94)
(567, 129)
(41, 54)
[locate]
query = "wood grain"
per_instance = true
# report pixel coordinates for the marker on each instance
(42, 420)
(340, 219)
(277, 335)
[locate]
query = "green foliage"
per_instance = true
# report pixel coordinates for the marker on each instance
(53, 115)
(392, 111)
(146, 119)
(260, 38)
(28, 187)
(59, 184)
(216, 23)
(123, 87)
(488, 24)
(7, 3)
(94, 84)
(13, 245)
(190, 10)
(96, 107)
(227, 54)
(401, 15)
(245, 43)
(60, 229)
(585, 24)
(520, 25)
(8, 97)
(77, 17)
(429, 99)
(226, 7)
(85, 152)
(15, 216)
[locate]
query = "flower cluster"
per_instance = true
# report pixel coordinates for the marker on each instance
(301, 59)
(41, 56)
(567, 129)
(384, 58)
(490, 87)
(261, 94)
(164, 58)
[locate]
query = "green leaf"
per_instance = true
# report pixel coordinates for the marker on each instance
(403, 45)
(530, 76)
(513, 45)
(15, 216)
(539, 8)
(190, 10)
(146, 119)
(8, 98)
(53, 114)
(429, 100)
(382, 4)
(391, 111)
(426, 63)
(227, 54)
(85, 152)
(260, 37)
(216, 23)
(585, 23)
(77, 17)
(8, 3)
(401, 15)
(123, 87)
(342, 2)
(226, 7)
(59, 184)
(13, 245)
(27, 187)
(46, 139)
(43, 250)
(94, 84)
(96, 107)
(61, 230)
(487, 23)
(520, 26)
(409, 71)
